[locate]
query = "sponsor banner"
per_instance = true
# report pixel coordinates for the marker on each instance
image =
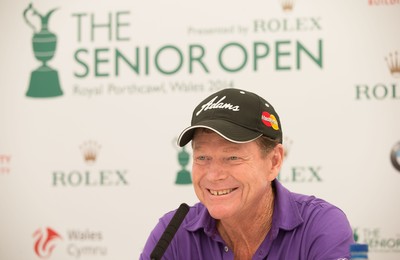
(94, 94)
(72, 244)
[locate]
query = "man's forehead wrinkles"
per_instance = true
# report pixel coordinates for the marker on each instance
(227, 148)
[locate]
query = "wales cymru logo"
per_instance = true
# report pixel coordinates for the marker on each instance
(45, 242)
(44, 81)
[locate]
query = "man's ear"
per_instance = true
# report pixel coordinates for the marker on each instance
(276, 161)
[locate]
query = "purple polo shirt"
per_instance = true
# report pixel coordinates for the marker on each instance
(303, 228)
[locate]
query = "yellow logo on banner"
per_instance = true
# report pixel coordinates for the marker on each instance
(90, 150)
(287, 5)
(393, 63)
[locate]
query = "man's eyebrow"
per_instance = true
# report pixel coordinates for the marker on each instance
(229, 148)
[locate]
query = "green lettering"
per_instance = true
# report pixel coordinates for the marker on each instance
(98, 61)
(119, 56)
(198, 59)
(119, 24)
(179, 65)
(363, 90)
(279, 53)
(221, 54)
(84, 65)
(257, 55)
(300, 48)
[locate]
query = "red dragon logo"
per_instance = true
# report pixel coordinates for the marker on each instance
(44, 242)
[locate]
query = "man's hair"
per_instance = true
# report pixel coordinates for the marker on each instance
(265, 143)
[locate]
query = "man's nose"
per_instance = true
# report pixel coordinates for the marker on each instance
(217, 170)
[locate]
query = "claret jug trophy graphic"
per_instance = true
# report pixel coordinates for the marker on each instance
(44, 81)
(183, 176)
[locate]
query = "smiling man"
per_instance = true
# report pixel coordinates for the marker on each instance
(244, 212)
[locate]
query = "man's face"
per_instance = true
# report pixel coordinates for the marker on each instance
(231, 179)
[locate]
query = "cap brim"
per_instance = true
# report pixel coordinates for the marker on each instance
(230, 131)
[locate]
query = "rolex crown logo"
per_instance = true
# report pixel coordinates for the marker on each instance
(287, 5)
(393, 63)
(90, 150)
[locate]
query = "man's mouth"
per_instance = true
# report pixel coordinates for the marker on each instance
(221, 192)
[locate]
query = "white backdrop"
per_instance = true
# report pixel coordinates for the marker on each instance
(88, 161)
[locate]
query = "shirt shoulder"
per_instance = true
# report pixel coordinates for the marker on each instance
(311, 227)
(194, 237)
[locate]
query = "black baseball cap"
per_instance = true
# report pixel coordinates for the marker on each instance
(237, 115)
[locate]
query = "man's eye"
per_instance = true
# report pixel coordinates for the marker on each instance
(233, 158)
(202, 158)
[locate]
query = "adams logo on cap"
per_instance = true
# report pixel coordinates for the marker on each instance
(218, 104)
(269, 120)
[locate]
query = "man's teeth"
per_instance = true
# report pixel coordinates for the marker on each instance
(220, 192)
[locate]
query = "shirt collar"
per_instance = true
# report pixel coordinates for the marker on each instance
(286, 213)
(201, 220)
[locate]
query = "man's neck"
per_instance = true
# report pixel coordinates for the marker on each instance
(244, 237)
